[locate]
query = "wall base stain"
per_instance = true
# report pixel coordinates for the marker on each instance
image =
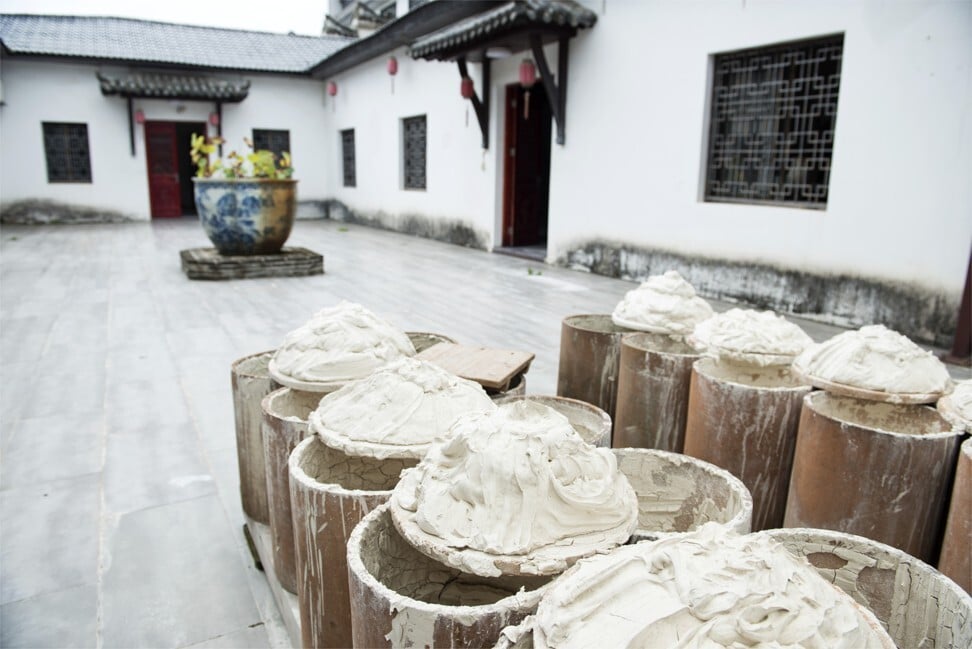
(36, 212)
(448, 230)
(924, 315)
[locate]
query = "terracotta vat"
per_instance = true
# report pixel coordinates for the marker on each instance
(590, 422)
(251, 382)
(880, 470)
(653, 391)
(401, 598)
(917, 605)
(955, 559)
(677, 493)
(330, 493)
(285, 413)
(744, 419)
(590, 347)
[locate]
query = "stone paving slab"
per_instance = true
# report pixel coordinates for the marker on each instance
(103, 337)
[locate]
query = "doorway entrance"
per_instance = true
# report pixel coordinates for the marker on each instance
(526, 172)
(170, 169)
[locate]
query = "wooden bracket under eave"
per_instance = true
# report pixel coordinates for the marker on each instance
(556, 92)
(480, 106)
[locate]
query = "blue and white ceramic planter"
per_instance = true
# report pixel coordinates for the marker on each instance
(251, 216)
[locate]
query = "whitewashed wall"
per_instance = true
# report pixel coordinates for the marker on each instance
(900, 206)
(461, 184)
(39, 91)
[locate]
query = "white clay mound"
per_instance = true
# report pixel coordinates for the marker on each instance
(397, 411)
(749, 337)
(956, 407)
(514, 491)
(339, 344)
(702, 590)
(662, 304)
(877, 363)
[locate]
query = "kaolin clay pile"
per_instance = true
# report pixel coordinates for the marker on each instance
(397, 411)
(760, 338)
(877, 360)
(706, 589)
(514, 491)
(338, 344)
(662, 304)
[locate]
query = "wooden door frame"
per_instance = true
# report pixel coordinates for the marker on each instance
(509, 162)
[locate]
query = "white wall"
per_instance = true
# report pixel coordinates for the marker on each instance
(900, 205)
(460, 178)
(38, 91)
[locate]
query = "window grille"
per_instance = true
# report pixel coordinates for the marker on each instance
(772, 124)
(414, 151)
(66, 150)
(347, 157)
(276, 141)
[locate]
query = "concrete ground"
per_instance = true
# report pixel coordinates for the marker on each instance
(120, 521)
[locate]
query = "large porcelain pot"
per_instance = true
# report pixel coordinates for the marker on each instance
(251, 216)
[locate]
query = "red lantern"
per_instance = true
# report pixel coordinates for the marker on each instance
(331, 88)
(466, 88)
(528, 74)
(214, 119)
(392, 66)
(139, 116)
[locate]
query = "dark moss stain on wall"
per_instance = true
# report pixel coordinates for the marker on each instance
(448, 230)
(34, 212)
(921, 314)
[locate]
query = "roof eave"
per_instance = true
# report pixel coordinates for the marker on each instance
(398, 33)
(154, 65)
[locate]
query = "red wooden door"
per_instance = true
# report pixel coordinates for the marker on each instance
(163, 169)
(526, 173)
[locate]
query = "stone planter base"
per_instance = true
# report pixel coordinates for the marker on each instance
(207, 263)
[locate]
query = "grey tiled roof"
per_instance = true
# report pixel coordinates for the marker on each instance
(519, 13)
(174, 86)
(142, 41)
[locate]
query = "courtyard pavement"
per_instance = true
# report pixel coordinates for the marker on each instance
(120, 520)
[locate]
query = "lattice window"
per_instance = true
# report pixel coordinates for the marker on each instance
(347, 157)
(66, 149)
(276, 141)
(772, 124)
(413, 129)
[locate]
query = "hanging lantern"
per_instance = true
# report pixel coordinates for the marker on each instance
(139, 116)
(392, 67)
(331, 88)
(528, 73)
(214, 119)
(466, 88)
(528, 77)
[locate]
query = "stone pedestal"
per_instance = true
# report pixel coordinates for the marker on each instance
(207, 263)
